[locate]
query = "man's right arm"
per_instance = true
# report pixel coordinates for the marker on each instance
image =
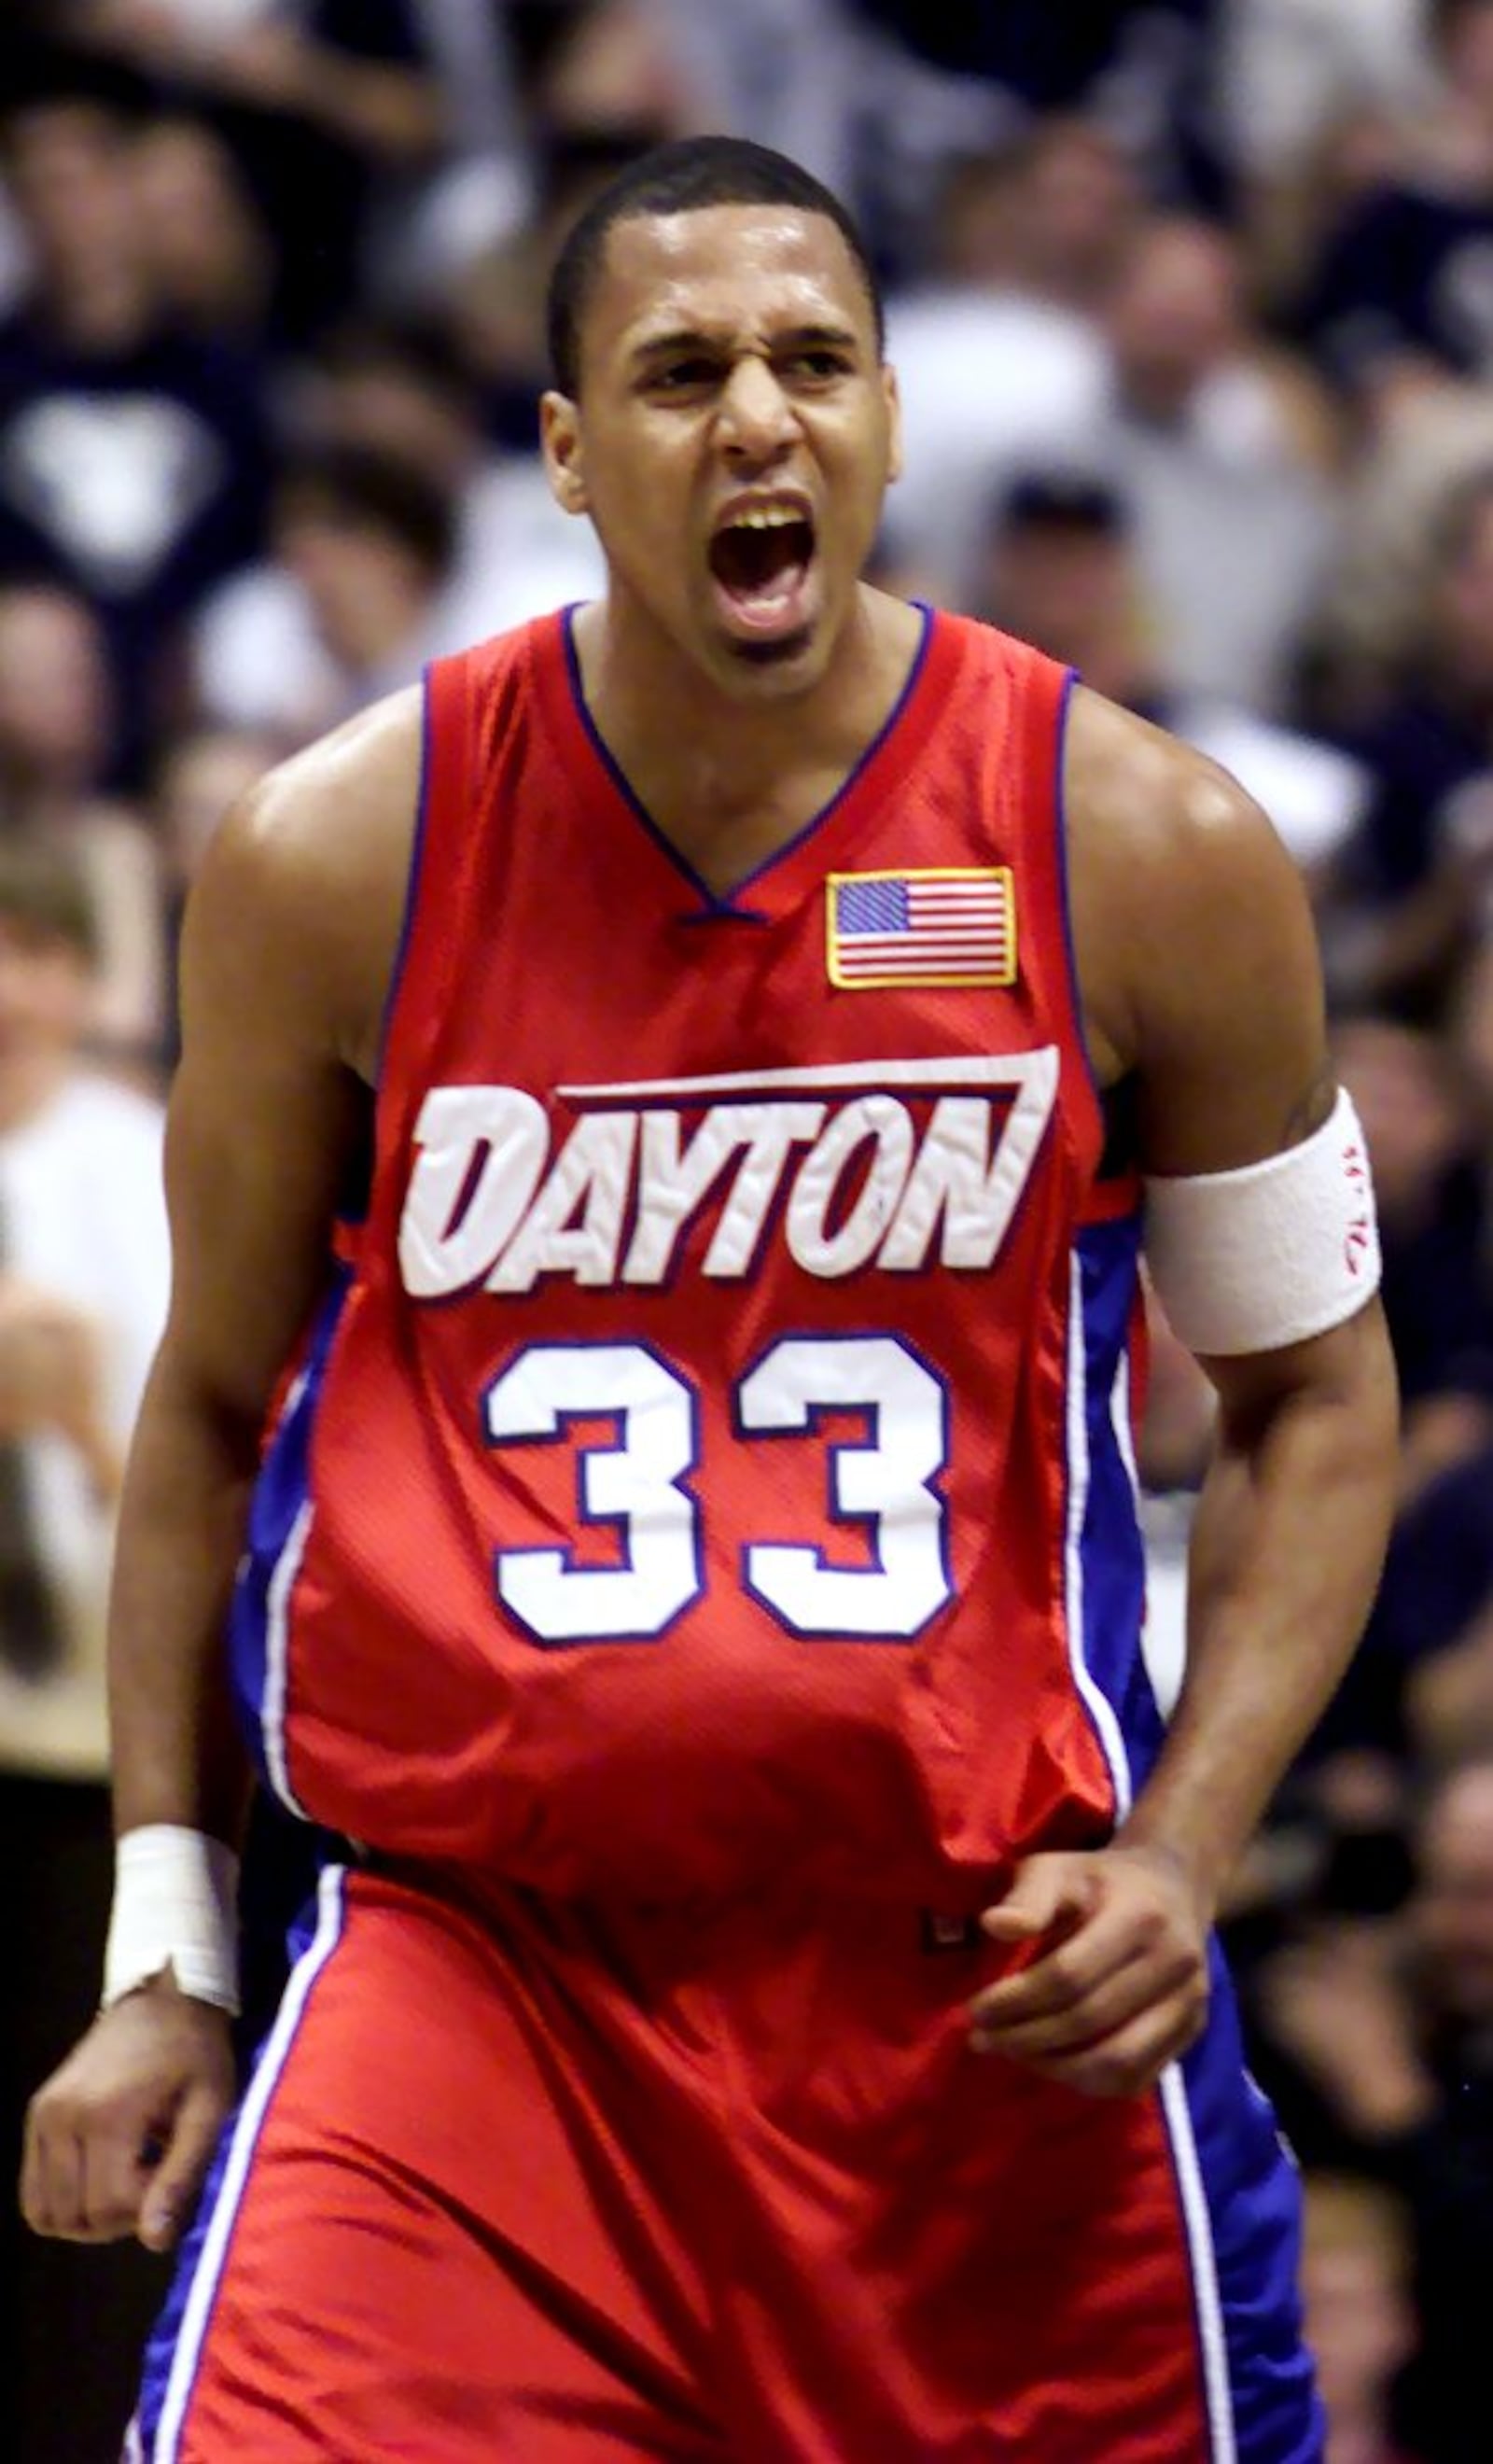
(286, 960)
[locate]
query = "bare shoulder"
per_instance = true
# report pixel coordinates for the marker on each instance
(335, 816)
(1167, 840)
(305, 883)
(1196, 954)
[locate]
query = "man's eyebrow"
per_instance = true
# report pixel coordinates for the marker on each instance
(682, 338)
(839, 337)
(818, 333)
(693, 338)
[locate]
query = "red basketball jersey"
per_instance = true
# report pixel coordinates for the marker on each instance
(714, 1466)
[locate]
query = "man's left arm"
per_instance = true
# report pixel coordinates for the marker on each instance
(1202, 980)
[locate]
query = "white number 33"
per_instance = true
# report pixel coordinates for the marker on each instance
(637, 1485)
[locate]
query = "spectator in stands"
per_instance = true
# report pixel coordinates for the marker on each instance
(1401, 910)
(1449, 2170)
(1433, 1617)
(54, 731)
(1226, 452)
(1471, 1017)
(1052, 215)
(366, 545)
(1289, 74)
(83, 1273)
(1061, 569)
(794, 73)
(400, 392)
(1423, 1137)
(402, 388)
(132, 454)
(82, 1293)
(994, 373)
(1389, 2022)
(1135, 67)
(209, 254)
(320, 100)
(1355, 2277)
(496, 306)
(1416, 1675)
(1403, 304)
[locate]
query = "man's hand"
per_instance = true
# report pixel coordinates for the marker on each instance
(1116, 1985)
(118, 2139)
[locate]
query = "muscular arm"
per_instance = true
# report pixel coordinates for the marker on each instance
(285, 967)
(1285, 1553)
(1200, 981)
(1213, 997)
(285, 956)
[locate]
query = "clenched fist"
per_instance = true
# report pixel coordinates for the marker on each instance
(118, 2139)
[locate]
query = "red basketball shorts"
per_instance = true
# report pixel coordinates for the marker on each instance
(544, 2185)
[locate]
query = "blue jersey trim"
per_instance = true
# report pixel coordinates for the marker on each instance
(174, 2351)
(413, 882)
(279, 1519)
(1237, 2187)
(1070, 684)
(1112, 1552)
(1104, 1562)
(1241, 2191)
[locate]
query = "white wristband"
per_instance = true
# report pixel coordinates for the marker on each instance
(175, 1907)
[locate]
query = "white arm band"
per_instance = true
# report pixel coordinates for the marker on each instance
(175, 1905)
(1273, 1253)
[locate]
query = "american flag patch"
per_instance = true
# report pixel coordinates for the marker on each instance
(953, 927)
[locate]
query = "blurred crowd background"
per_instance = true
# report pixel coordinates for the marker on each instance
(1192, 305)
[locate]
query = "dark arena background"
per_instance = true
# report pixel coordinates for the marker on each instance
(1191, 305)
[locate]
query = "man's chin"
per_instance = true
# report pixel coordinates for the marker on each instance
(782, 651)
(766, 667)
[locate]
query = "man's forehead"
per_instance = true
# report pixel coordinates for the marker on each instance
(727, 266)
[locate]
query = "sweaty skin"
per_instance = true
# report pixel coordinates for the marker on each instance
(1198, 978)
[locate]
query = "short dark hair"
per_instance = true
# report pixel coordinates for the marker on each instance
(683, 178)
(367, 489)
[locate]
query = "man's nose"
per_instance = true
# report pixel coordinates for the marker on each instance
(756, 414)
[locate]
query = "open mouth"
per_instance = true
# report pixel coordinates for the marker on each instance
(759, 560)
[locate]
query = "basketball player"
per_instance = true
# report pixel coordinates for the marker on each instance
(663, 1134)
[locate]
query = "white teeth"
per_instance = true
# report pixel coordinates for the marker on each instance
(769, 518)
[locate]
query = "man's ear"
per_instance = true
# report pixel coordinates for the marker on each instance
(559, 443)
(894, 401)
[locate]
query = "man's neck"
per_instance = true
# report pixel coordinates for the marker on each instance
(727, 779)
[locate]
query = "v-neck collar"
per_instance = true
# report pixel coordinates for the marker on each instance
(773, 885)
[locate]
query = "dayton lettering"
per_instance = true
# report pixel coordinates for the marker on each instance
(897, 1165)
